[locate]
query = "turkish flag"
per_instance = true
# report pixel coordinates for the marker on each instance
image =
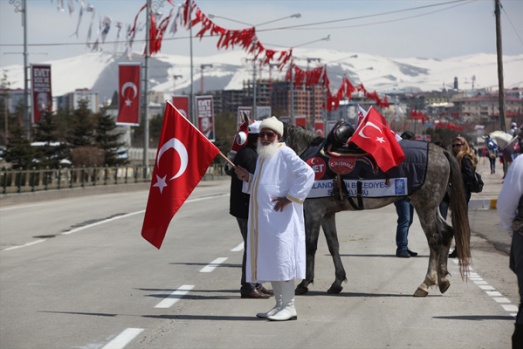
(128, 94)
(375, 137)
(183, 156)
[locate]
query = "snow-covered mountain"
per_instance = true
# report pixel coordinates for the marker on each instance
(99, 72)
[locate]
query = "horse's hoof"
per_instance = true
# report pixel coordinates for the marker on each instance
(334, 289)
(444, 286)
(420, 292)
(301, 290)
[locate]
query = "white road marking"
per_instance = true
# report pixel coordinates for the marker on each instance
(94, 224)
(123, 338)
(102, 222)
(211, 266)
(491, 291)
(175, 296)
(25, 245)
(238, 248)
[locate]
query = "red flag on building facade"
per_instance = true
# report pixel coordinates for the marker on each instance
(375, 137)
(183, 156)
(128, 94)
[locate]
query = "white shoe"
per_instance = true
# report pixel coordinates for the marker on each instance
(276, 288)
(287, 311)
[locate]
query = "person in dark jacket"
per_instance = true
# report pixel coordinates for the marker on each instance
(468, 161)
(239, 206)
(405, 212)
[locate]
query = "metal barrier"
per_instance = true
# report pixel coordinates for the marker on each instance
(22, 181)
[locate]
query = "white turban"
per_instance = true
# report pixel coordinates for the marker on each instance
(274, 124)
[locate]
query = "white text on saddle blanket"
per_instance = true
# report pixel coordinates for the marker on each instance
(371, 188)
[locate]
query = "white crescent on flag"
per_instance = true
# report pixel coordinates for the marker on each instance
(129, 85)
(371, 124)
(180, 148)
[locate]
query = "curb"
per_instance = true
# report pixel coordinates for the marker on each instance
(483, 204)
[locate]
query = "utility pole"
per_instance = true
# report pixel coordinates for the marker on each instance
(500, 68)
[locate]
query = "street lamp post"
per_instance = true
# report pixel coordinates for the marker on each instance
(175, 77)
(21, 6)
(202, 68)
(327, 38)
(296, 15)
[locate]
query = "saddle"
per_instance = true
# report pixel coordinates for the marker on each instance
(337, 141)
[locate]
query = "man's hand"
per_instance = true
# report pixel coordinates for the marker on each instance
(242, 173)
(281, 203)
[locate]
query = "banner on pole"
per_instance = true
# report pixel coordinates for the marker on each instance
(205, 113)
(182, 104)
(41, 90)
(128, 94)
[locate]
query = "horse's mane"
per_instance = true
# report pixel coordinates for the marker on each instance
(299, 138)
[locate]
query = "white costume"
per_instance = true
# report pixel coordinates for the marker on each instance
(276, 240)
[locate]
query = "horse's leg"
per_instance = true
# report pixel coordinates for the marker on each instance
(329, 229)
(428, 220)
(312, 233)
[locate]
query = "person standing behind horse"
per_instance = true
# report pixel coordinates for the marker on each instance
(405, 212)
(492, 152)
(510, 212)
(276, 232)
(468, 162)
(239, 206)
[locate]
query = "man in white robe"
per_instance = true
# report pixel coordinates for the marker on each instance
(276, 235)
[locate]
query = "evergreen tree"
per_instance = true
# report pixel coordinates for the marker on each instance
(19, 151)
(107, 138)
(53, 150)
(83, 125)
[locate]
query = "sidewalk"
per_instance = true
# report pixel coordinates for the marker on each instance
(488, 197)
(483, 217)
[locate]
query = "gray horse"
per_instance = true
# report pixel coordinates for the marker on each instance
(442, 170)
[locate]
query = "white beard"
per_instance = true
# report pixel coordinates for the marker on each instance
(265, 151)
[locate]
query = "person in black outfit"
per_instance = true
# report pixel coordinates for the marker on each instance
(239, 206)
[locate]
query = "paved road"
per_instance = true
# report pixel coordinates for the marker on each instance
(74, 273)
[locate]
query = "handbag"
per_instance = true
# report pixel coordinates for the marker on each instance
(477, 185)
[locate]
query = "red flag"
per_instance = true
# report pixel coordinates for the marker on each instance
(183, 156)
(375, 137)
(41, 90)
(129, 94)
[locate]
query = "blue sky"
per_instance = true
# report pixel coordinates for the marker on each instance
(390, 28)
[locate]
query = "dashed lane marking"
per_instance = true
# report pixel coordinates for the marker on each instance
(123, 338)
(238, 248)
(492, 293)
(175, 296)
(213, 265)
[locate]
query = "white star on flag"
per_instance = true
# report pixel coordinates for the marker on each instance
(160, 183)
(128, 102)
(380, 139)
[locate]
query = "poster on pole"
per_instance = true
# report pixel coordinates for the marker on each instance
(205, 114)
(319, 129)
(263, 112)
(41, 90)
(245, 110)
(301, 121)
(182, 104)
(128, 94)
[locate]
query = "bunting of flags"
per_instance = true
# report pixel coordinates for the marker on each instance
(190, 15)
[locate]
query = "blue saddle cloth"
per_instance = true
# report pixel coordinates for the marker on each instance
(362, 177)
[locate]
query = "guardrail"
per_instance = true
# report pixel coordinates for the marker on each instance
(22, 181)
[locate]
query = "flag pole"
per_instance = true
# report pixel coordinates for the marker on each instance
(227, 160)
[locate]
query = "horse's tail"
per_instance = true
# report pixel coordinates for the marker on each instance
(460, 220)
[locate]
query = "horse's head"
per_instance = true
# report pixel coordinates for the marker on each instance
(298, 138)
(241, 137)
